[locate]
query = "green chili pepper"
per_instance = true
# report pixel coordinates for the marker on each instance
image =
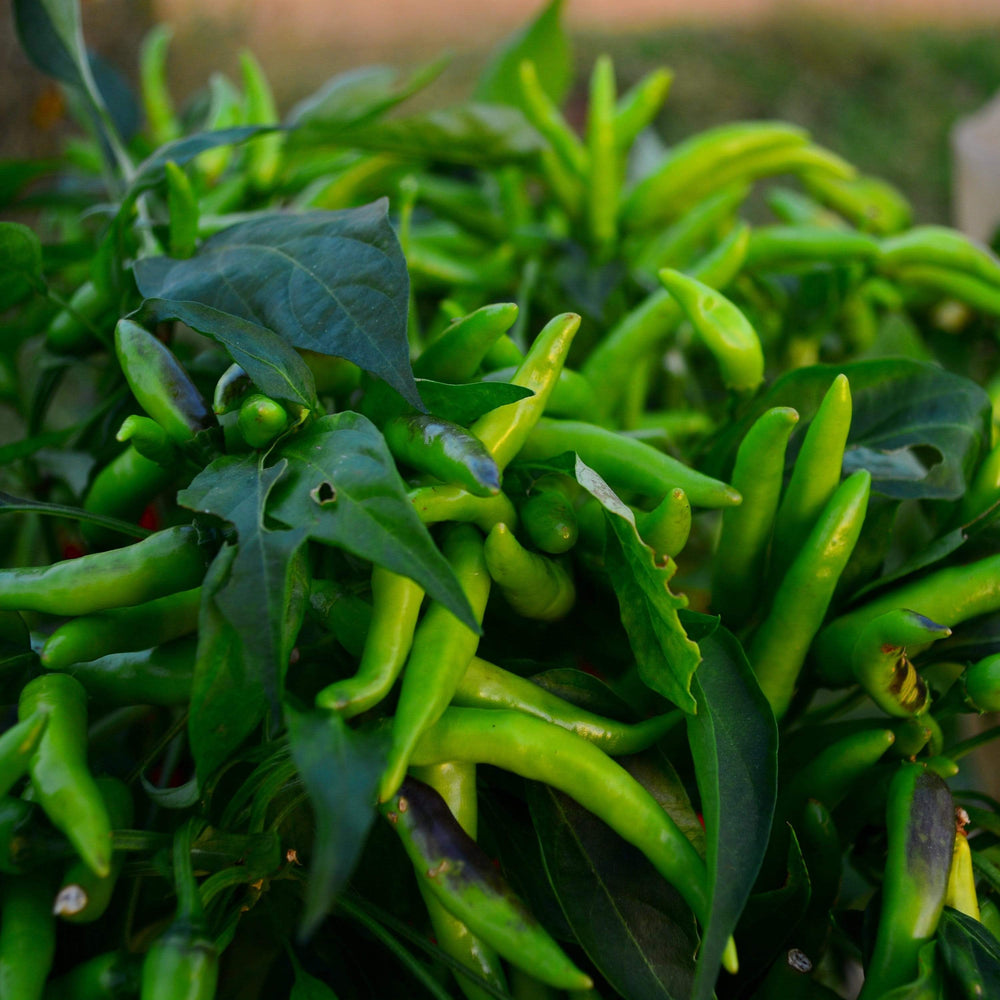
(548, 517)
(534, 585)
(162, 675)
(182, 205)
(262, 155)
(547, 118)
(657, 196)
(797, 209)
(666, 528)
(395, 606)
(603, 168)
(165, 563)
(920, 821)
(542, 752)
(639, 105)
(17, 745)
(948, 596)
(452, 503)
(815, 474)
(111, 976)
(124, 488)
(84, 896)
(725, 331)
(981, 684)
(946, 283)
(27, 935)
(505, 429)
(626, 463)
(183, 963)
(573, 395)
(444, 450)
(159, 383)
(120, 630)
(778, 648)
(741, 555)
(441, 651)
(160, 117)
(63, 786)
(150, 440)
(456, 355)
(609, 366)
(461, 877)
(881, 660)
(802, 245)
(455, 782)
(940, 246)
(873, 205)
(74, 329)
(485, 685)
(261, 420)
(225, 110)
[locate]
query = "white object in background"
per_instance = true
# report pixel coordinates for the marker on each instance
(975, 151)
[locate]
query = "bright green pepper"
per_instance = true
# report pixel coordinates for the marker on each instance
(940, 246)
(63, 786)
(791, 247)
(873, 205)
(263, 154)
(981, 684)
(534, 585)
(156, 101)
(638, 106)
(548, 517)
(603, 168)
(455, 356)
(261, 420)
(547, 118)
(946, 283)
(666, 528)
(27, 935)
(150, 440)
(165, 563)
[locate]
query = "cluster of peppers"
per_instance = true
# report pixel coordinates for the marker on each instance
(541, 463)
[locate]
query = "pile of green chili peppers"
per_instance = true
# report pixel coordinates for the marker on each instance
(574, 589)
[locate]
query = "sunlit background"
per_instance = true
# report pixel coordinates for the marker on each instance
(883, 82)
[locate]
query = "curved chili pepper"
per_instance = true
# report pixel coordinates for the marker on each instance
(948, 596)
(626, 463)
(815, 474)
(168, 561)
(638, 106)
(159, 383)
(395, 605)
(461, 877)
(444, 450)
(548, 517)
(183, 961)
(505, 429)
(120, 630)
(667, 527)
(84, 896)
(150, 440)
(872, 204)
(456, 355)
(485, 685)
(920, 822)
(64, 788)
(261, 420)
(746, 530)
(534, 585)
(455, 782)
(441, 651)
(434, 504)
(27, 935)
(942, 247)
(548, 119)
(543, 752)
(723, 328)
(881, 660)
(778, 648)
(163, 675)
(795, 246)
(945, 283)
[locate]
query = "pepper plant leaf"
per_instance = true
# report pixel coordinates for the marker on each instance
(253, 613)
(340, 768)
(331, 282)
(633, 925)
(20, 255)
(51, 34)
(734, 743)
(970, 953)
(343, 490)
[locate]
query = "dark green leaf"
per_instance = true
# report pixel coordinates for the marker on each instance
(340, 768)
(17, 505)
(51, 34)
(272, 365)
(20, 253)
(634, 926)
(262, 600)
(970, 953)
(182, 797)
(354, 98)
(308, 987)
(918, 428)
(927, 985)
(544, 43)
(331, 282)
(734, 742)
(342, 489)
(477, 134)
(117, 95)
